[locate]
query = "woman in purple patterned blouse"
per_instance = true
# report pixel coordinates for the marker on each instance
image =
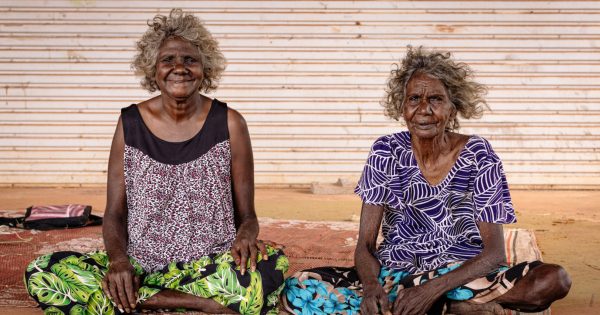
(441, 198)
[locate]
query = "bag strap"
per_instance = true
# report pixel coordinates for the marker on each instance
(12, 222)
(94, 220)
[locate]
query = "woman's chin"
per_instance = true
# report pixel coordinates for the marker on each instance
(426, 133)
(180, 95)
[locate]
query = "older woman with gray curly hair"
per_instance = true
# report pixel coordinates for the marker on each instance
(441, 198)
(180, 229)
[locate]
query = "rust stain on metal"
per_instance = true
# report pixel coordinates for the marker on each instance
(74, 56)
(442, 28)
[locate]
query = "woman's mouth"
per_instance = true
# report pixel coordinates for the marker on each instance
(425, 126)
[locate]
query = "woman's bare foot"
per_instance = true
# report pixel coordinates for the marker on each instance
(460, 308)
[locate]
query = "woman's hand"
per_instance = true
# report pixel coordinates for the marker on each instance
(121, 285)
(242, 250)
(414, 301)
(374, 300)
(245, 247)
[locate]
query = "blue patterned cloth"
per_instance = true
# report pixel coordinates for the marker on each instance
(338, 290)
(424, 226)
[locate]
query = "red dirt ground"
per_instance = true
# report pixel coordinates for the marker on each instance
(566, 224)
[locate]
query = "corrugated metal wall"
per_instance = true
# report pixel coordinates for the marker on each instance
(308, 76)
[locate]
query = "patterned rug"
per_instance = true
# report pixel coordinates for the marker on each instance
(307, 244)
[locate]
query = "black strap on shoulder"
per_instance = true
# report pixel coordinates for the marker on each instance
(131, 119)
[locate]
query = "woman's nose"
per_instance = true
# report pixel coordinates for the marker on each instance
(424, 106)
(179, 66)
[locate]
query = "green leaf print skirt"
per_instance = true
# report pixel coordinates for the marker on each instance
(70, 283)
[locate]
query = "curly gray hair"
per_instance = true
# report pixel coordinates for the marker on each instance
(466, 95)
(185, 26)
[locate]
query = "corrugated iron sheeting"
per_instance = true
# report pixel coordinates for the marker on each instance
(308, 76)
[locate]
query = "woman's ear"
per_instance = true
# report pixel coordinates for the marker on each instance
(452, 117)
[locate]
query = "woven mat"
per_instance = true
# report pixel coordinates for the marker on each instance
(307, 244)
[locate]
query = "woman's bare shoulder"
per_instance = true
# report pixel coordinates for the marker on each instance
(235, 119)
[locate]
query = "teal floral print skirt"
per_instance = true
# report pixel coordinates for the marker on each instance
(337, 290)
(70, 283)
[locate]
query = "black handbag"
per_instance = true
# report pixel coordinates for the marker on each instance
(54, 217)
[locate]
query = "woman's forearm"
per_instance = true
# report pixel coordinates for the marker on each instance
(490, 259)
(367, 267)
(115, 237)
(474, 268)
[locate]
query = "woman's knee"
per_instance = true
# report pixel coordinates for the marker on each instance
(559, 276)
(551, 283)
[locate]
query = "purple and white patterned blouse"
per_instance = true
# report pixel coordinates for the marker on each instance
(424, 226)
(179, 197)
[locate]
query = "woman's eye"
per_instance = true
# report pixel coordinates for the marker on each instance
(413, 99)
(168, 59)
(189, 60)
(435, 100)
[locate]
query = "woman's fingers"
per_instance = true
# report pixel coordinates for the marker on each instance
(121, 284)
(368, 306)
(399, 305)
(105, 288)
(123, 302)
(263, 249)
(235, 253)
(384, 305)
(243, 259)
(130, 292)
(375, 300)
(253, 251)
(121, 289)
(246, 253)
(114, 294)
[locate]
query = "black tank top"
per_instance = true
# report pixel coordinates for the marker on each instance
(139, 136)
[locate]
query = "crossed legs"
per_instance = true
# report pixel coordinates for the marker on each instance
(539, 288)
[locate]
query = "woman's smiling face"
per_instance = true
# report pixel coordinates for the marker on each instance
(179, 70)
(427, 108)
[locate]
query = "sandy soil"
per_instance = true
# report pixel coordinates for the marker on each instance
(566, 223)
